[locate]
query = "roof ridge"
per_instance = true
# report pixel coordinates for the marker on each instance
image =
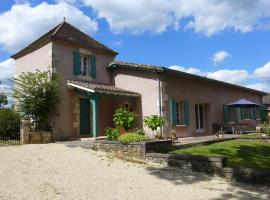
(85, 34)
(58, 27)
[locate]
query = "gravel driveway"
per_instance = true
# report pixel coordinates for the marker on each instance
(62, 171)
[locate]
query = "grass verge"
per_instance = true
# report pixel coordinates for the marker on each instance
(240, 153)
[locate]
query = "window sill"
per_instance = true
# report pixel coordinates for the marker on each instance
(181, 125)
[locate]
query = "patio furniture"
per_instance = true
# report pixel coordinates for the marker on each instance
(245, 125)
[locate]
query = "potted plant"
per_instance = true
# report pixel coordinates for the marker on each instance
(124, 120)
(220, 134)
(173, 135)
(153, 122)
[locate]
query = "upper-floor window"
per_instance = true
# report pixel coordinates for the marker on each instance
(84, 65)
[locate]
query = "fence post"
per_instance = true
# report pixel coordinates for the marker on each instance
(25, 131)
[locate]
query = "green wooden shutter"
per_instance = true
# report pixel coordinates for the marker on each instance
(235, 115)
(242, 113)
(93, 66)
(186, 113)
(225, 113)
(254, 117)
(89, 66)
(76, 63)
(173, 112)
(263, 113)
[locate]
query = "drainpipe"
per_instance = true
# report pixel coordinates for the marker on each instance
(160, 100)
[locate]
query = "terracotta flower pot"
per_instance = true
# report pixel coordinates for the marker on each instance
(122, 131)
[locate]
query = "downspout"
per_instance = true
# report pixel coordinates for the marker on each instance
(160, 101)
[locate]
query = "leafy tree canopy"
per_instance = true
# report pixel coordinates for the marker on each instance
(3, 100)
(36, 95)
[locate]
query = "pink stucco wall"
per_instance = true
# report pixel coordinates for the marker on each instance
(63, 64)
(41, 59)
(145, 83)
(196, 91)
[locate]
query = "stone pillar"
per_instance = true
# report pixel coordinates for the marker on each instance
(25, 132)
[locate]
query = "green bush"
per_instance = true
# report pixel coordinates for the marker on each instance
(140, 132)
(266, 129)
(9, 123)
(154, 122)
(124, 118)
(37, 96)
(112, 133)
(132, 137)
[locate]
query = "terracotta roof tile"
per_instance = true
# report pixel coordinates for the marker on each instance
(100, 88)
(65, 32)
(162, 69)
(136, 66)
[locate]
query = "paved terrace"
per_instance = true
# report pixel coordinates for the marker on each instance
(195, 140)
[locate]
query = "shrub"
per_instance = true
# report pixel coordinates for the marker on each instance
(266, 129)
(124, 118)
(140, 132)
(132, 137)
(3, 100)
(154, 122)
(36, 95)
(9, 123)
(112, 133)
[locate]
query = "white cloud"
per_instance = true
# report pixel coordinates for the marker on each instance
(191, 70)
(226, 75)
(23, 23)
(220, 56)
(263, 72)
(259, 86)
(135, 16)
(7, 69)
(205, 16)
(231, 76)
(6, 73)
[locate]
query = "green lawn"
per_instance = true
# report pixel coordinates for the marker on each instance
(241, 152)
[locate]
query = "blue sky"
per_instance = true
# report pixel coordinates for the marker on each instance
(227, 40)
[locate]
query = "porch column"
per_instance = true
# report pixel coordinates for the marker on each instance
(94, 101)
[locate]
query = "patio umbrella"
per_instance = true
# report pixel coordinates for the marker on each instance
(243, 103)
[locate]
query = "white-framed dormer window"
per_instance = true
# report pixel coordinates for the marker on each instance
(85, 64)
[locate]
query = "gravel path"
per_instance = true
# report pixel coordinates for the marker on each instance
(60, 171)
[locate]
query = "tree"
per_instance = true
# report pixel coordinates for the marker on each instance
(36, 96)
(3, 100)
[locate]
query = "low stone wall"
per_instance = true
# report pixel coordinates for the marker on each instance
(41, 137)
(212, 165)
(135, 149)
(246, 175)
(28, 137)
(196, 163)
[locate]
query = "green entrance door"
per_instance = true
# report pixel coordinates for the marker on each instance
(84, 116)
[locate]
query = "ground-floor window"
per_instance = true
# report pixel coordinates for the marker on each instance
(179, 113)
(247, 113)
(199, 114)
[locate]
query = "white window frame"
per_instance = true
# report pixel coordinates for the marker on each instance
(180, 113)
(84, 72)
(200, 130)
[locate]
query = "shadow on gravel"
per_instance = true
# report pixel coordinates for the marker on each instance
(178, 176)
(244, 192)
(234, 191)
(75, 144)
